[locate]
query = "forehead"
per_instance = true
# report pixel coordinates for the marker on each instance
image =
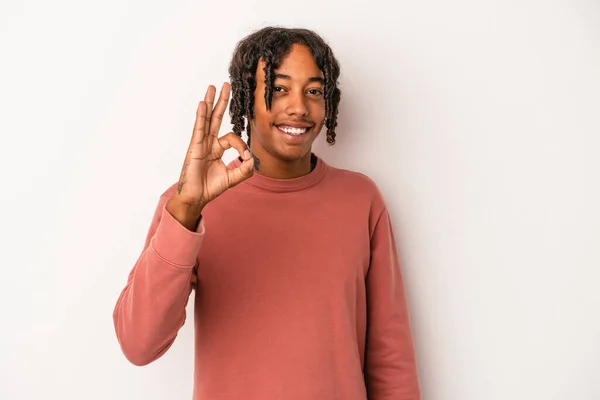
(298, 63)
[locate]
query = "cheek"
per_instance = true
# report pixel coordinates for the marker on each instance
(318, 112)
(262, 117)
(277, 109)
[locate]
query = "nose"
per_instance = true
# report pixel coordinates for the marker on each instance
(296, 104)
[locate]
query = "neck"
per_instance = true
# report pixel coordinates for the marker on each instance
(273, 167)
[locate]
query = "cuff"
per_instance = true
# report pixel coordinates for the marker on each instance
(175, 243)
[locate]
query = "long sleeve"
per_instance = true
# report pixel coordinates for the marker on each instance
(151, 308)
(390, 362)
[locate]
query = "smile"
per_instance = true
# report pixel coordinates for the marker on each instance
(293, 131)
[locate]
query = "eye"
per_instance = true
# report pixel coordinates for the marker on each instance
(315, 92)
(278, 89)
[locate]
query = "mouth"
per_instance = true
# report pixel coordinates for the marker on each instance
(294, 131)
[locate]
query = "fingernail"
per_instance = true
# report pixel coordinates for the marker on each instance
(246, 154)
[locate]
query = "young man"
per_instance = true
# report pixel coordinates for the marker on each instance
(298, 290)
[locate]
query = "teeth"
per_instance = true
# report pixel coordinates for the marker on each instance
(292, 131)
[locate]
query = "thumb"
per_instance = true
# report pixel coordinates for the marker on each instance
(241, 173)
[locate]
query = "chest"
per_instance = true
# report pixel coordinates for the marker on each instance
(274, 246)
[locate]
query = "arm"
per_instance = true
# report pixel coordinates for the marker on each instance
(390, 362)
(151, 308)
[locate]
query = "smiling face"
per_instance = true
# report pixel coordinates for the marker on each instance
(285, 133)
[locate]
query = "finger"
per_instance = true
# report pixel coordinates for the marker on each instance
(232, 140)
(200, 131)
(209, 99)
(219, 110)
(241, 173)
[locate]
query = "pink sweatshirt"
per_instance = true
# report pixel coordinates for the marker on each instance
(298, 293)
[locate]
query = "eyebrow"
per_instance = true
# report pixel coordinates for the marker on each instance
(313, 79)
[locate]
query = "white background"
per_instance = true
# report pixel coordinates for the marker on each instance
(479, 120)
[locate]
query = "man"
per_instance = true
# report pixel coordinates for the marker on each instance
(298, 290)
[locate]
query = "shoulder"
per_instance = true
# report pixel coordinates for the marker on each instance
(355, 179)
(356, 185)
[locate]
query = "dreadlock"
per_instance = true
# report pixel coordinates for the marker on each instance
(273, 44)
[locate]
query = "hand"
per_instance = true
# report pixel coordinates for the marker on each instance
(204, 175)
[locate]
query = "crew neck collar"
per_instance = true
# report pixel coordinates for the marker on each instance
(287, 185)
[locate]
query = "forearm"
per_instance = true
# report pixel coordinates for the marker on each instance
(391, 367)
(151, 308)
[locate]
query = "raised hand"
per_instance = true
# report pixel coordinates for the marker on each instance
(204, 175)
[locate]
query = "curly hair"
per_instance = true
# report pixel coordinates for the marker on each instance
(273, 44)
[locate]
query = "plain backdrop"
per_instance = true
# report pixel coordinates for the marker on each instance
(479, 120)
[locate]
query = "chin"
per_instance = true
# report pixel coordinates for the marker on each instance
(292, 155)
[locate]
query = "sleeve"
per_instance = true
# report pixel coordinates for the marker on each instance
(390, 362)
(152, 306)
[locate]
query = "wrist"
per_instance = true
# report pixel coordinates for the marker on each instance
(187, 215)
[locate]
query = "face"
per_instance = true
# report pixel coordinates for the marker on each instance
(287, 131)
